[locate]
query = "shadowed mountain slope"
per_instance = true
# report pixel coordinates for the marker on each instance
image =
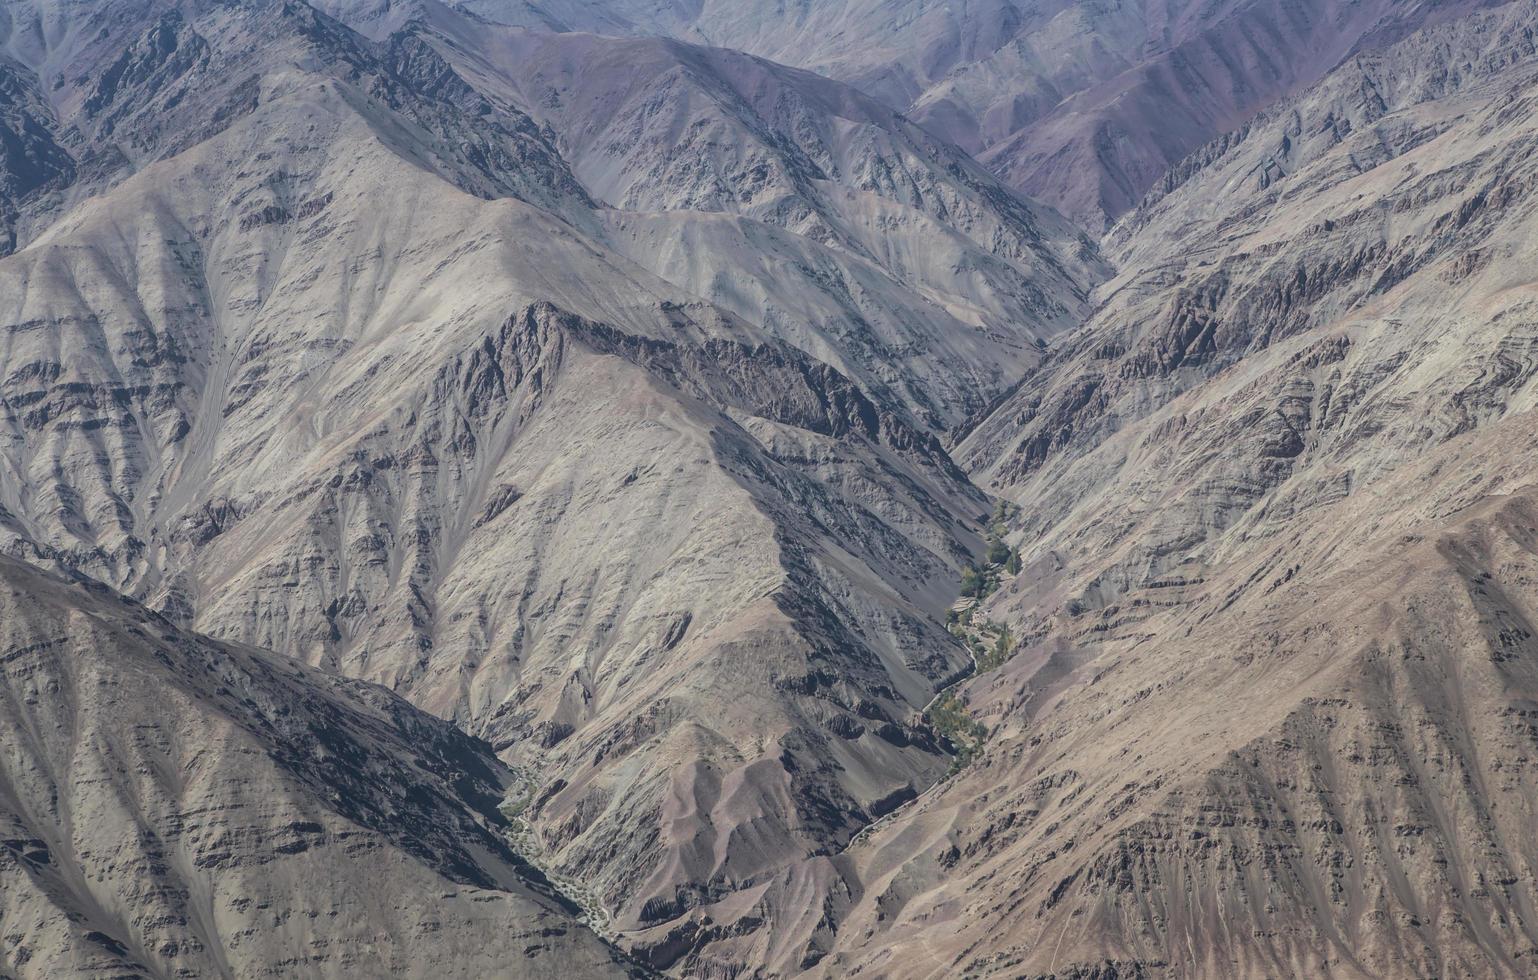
(832, 221)
(1276, 504)
(173, 806)
(618, 400)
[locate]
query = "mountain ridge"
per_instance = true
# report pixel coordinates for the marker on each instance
(636, 409)
(201, 784)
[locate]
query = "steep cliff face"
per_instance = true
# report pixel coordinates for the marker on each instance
(173, 806)
(31, 161)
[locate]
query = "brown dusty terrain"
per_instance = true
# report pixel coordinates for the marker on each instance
(631, 409)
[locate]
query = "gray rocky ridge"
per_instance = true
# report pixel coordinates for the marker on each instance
(484, 489)
(1084, 105)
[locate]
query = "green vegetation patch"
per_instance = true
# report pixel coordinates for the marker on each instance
(949, 718)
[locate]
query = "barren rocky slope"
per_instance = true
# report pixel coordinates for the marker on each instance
(1273, 700)
(1342, 233)
(590, 392)
(1309, 762)
(172, 806)
(835, 223)
(1083, 105)
(329, 351)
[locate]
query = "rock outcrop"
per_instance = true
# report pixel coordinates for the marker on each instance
(802, 206)
(1276, 504)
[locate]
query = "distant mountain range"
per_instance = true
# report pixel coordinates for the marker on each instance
(1084, 105)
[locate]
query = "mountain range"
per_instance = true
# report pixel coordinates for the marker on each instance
(834, 488)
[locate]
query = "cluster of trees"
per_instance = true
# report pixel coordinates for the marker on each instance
(1000, 650)
(948, 716)
(1001, 560)
(992, 643)
(1003, 555)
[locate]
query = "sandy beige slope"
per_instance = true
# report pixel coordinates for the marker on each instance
(800, 205)
(1271, 717)
(653, 500)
